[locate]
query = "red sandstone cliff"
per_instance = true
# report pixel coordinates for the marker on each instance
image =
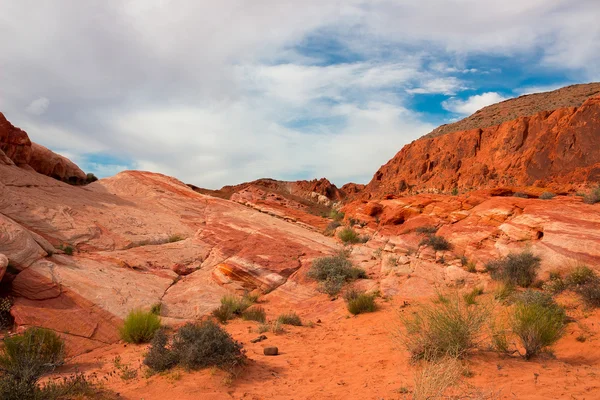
(557, 148)
(16, 148)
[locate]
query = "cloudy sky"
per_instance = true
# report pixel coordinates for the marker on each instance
(222, 92)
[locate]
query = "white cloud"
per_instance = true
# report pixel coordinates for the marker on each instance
(538, 89)
(218, 92)
(38, 106)
(472, 104)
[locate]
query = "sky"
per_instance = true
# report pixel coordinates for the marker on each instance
(223, 92)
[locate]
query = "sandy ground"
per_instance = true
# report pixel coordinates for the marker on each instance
(356, 357)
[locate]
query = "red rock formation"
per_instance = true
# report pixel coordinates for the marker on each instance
(16, 146)
(557, 149)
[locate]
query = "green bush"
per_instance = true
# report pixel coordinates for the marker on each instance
(232, 307)
(290, 319)
(333, 272)
(255, 313)
(359, 302)
(516, 269)
(445, 328)
(25, 358)
(470, 298)
(139, 326)
(336, 215)
(438, 243)
(537, 321)
(547, 196)
(349, 235)
(590, 292)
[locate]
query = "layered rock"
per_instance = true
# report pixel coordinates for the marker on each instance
(556, 149)
(17, 148)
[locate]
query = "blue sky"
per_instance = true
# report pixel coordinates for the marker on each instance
(218, 93)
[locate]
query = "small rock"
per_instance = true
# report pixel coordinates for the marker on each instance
(258, 339)
(271, 351)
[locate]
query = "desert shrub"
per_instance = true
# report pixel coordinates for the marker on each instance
(470, 298)
(175, 238)
(156, 308)
(89, 178)
(392, 261)
(427, 229)
(290, 319)
(445, 328)
(438, 243)
(25, 358)
(555, 285)
(336, 215)
(433, 379)
(206, 345)
(331, 227)
(196, 347)
(68, 249)
(6, 319)
(547, 196)
(255, 313)
(359, 302)
(349, 235)
(590, 292)
(333, 272)
(455, 191)
(77, 386)
(517, 269)
(581, 275)
(504, 291)
(139, 326)
(159, 358)
(592, 197)
(537, 321)
(233, 306)
(521, 195)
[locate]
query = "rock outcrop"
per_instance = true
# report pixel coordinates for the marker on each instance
(17, 148)
(556, 149)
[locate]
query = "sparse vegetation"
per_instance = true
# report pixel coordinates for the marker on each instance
(521, 195)
(176, 238)
(68, 249)
(6, 319)
(392, 261)
(592, 197)
(232, 307)
(24, 359)
(504, 291)
(438, 243)
(581, 275)
(336, 215)
(359, 302)
(290, 319)
(195, 347)
(547, 196)
(516, 269)
(455, 191)
(89, 178)
(470, 298)
(537, 321)
(427, 230)
(139, 326)
(434, 378)
(331, 227)
(349, 236)
(156, 308)
(333, 272)
(255, 313)
(448, 328)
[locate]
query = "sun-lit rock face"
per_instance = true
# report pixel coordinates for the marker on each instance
(555, 148)
(17, 148)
